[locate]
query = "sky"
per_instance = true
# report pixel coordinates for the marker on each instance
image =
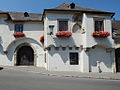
(37, 6)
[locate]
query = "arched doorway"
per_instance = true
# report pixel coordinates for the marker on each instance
(25, 56)
(117, 56)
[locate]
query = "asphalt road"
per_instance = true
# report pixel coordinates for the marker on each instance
(19, 80)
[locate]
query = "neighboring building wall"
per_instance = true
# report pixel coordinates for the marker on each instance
(117, 55)
(117, 43)
(8, 43)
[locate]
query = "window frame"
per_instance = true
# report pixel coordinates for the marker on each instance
(100, 27)
(74, 62)
(63, 20)
(20, 27)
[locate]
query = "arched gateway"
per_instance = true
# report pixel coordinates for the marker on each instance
(25, 56)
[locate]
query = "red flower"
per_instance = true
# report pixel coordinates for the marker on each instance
(63, 34)
(19, 34)
(100, 34)
(42, 39)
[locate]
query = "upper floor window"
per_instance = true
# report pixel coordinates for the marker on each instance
(18, 27)
(63, 25)
(99, 24)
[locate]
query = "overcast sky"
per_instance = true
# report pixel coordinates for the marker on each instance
(37, 6)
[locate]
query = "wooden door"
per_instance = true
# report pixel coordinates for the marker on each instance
(25, 56)
(117, 55)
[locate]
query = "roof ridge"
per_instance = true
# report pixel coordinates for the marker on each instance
(66, 6)
(23, 12)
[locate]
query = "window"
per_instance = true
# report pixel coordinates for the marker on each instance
(99, 25)
(74, 59)
(63, 25)
(18, 27)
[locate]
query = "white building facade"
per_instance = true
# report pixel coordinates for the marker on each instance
(81, 52)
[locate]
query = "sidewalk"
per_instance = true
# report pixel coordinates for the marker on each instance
(108, 76)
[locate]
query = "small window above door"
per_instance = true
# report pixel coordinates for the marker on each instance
(18, 27)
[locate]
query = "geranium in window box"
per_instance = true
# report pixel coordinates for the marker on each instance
(19, 34)
(42, 39)
(64, 34)
(101, 34)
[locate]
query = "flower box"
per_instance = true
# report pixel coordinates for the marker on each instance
(19, 34)
(101, 34)
(64, 34)
(42, 39)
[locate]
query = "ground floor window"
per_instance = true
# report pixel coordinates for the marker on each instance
(74, 58)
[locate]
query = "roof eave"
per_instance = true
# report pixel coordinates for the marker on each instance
(27, 20)
(95, 12)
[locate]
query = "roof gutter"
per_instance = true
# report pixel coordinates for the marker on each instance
(95, 12)
(4, 13)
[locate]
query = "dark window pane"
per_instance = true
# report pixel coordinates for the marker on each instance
(74, 58)
(60, 26)
(18, 28)
(21, 28)
(63, 25)
(96, 26)
(99, 26)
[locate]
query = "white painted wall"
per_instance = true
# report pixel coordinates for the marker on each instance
(52, 19)
(105, 58)
(84, 61)
(59, 60)
(91, 41)
(77, 39)
(32, 31)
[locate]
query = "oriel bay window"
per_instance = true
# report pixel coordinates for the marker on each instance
(63, 25)
(99, 24)
(18, 27)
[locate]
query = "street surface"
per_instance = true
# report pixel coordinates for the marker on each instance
(21, 80)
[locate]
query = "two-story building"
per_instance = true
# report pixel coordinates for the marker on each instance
(116, 37)
(65, 38)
